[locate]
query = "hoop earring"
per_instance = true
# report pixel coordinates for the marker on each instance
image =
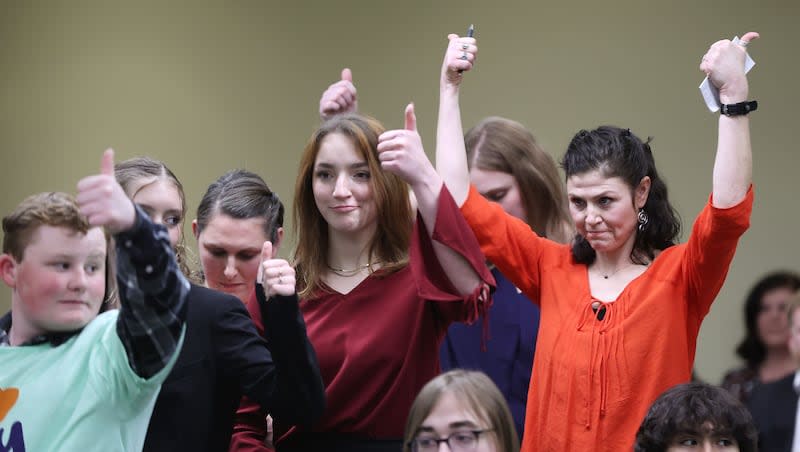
(642, 219)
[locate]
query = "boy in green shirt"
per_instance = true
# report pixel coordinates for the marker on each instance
(74, 378)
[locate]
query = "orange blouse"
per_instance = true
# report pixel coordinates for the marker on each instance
(593, 380)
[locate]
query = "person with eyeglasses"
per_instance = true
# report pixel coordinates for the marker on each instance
(464, 409)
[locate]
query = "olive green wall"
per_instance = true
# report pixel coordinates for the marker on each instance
(211, 87)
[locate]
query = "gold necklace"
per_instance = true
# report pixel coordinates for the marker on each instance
(608, 275)
(351, 272)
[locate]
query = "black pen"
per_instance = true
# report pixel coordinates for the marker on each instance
(470, 32)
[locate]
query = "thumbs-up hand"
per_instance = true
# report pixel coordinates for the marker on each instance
(103, 201)
(276, 275)
(401, 152)
(459, 57)
(724, 65)
(339, 98)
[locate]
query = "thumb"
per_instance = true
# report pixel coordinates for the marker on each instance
(266, 251)
(107, 163)
(266, 254)
(411, 118)
(347, 75)
(749, 37)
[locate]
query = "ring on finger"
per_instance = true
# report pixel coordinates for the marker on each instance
(464, 47)
(464, 56)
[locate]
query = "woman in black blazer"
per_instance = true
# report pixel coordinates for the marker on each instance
(223, 357)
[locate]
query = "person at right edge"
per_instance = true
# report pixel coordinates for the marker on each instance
(622, 305)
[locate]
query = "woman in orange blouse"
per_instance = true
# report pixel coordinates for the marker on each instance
(622, 305)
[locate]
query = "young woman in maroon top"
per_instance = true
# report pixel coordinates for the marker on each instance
(379, 289)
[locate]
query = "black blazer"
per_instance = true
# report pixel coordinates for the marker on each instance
(774, 407)
(223, 358)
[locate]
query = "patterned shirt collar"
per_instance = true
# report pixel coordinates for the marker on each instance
(55, 339)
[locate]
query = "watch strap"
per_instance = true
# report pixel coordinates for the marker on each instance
(741, 108)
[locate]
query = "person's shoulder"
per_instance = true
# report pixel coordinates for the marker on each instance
(101, 323)
(767, 394)
(99, 334)
(210, 298)
(738, 375)
(214, 305)
(668, 257)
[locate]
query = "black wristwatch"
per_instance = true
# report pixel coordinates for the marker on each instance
(742, 108)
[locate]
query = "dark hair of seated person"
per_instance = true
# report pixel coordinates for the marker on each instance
(695, 409)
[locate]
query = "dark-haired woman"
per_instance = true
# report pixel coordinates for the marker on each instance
(621, 307)
(223, 356)
(765, 347)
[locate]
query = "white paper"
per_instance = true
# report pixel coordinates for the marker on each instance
(711, 93)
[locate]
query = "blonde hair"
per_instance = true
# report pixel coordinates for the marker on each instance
(138, 172)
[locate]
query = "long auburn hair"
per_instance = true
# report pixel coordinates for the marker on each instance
(392, 236)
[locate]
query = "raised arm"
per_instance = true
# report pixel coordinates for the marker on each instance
(451, 155)
(733, 165)
(400, 152)
(152, 289)
(296, 396)
(299, 395)
(339, 98)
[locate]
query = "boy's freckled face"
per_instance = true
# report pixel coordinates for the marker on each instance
(60, 283)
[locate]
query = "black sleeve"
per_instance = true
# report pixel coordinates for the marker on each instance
(282, 376)
(301, 395)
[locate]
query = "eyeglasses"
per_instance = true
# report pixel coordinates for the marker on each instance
(461, 441)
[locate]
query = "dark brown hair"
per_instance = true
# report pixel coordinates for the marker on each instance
(616, 152)
(695, 408)
(241, 194)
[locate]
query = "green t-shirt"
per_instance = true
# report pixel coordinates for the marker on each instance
(79, 396)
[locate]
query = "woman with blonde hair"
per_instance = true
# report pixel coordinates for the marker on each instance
(508, 167)
(501, 152)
